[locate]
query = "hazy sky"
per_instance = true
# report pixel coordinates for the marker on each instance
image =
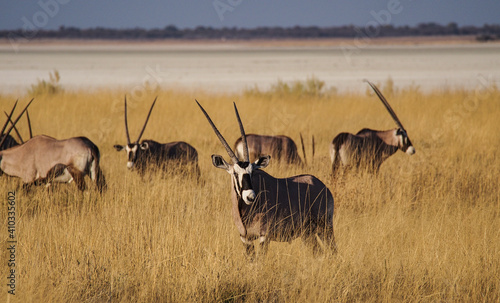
(50, 14)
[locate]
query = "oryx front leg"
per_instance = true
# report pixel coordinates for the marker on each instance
(263, 244)
(249, 247)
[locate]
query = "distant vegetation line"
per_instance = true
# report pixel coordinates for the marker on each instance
(484, 33)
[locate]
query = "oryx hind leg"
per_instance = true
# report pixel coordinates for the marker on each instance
(78, 177)
(312, 241)
(326, 240)
(310, 238)
(320, 238)
(60, 173)
(97, 176)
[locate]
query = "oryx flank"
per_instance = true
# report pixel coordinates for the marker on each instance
(281, 148)
(369, 148)
(149, 154)
(272, 209)
(43, 159)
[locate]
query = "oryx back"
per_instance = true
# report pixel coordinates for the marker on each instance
(281, 148)
(167, 156)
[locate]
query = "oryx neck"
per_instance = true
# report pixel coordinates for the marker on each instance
(389, 137)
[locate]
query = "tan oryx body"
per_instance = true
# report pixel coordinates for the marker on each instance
(274, 209)
(368, 149)
(43, 159)
(281, 148)
(151, 155)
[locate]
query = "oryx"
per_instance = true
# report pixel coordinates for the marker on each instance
(279, 147)
(272, 209)
(369, 148)
(150, 154)
(43, 159)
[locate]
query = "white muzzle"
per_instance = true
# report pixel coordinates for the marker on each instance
(411, 150)
(248, 196)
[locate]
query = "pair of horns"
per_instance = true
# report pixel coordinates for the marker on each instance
(223, 141)
(15, 128)
(9, 119)
(386, 104)
(145, 123)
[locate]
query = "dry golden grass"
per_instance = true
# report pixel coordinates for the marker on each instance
(426, 229)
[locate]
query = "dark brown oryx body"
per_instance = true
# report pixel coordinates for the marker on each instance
(150, 155)
(275, 209)
(368, 149)
(43, 159)
(281, 148)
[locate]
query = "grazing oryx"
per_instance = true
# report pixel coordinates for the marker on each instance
(150, 154)
(279, 147)
(272, 209)
(369, 148)
(43, 159)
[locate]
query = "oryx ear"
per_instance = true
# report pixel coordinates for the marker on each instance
(118, 147)
(262, 162)
(144, 145)
(219, 162)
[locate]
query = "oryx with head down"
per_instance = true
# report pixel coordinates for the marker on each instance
(369, 148)
(273, 209)
(281, 148)
(149, 154)
(43, 159)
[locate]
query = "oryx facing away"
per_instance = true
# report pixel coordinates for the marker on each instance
(368, 149)
(281, 148)
(43, 159)
(150, 155)
(272, 209)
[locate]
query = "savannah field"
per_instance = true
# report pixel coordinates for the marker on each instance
(425, 229)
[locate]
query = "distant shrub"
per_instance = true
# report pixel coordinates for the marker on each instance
(486, 37)
(50, 87)
(311, 87)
